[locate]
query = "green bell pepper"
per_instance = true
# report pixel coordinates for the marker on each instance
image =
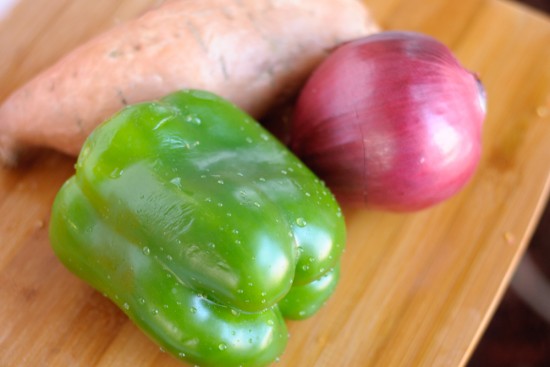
(202, 227)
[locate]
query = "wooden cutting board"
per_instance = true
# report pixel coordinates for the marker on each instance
(416, 289)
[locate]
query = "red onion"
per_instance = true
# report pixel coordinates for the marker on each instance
(391, 121)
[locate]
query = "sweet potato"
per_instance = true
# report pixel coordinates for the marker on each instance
(252, 52)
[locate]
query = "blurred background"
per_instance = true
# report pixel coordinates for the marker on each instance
(519, 333)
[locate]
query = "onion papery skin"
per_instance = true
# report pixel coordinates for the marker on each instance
(391, 121)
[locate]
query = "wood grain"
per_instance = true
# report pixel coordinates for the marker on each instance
(416, 289)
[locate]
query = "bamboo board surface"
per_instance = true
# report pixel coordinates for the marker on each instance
(416, 289)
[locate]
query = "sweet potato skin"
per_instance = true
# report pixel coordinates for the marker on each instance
(255, 53)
